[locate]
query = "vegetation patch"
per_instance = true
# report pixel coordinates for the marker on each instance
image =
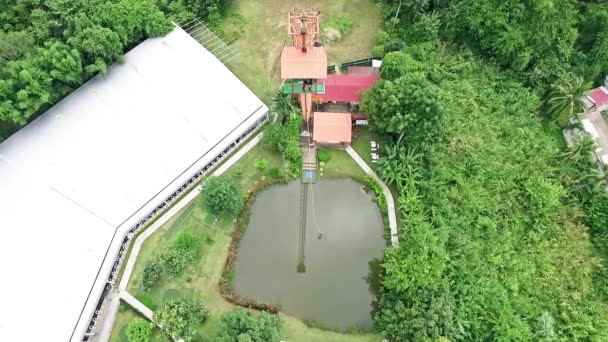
(334, 29)
(180, 317)
(139, 330)
(222, 196)
(323, 155)
(241, 325)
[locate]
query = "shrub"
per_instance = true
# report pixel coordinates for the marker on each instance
(323, 155)
(222, 196)
(240, 325)
(261, 165)
(151, 274)
(180, 317)
(139, 330)
(238, 172)
(335, 29)
(184, 252)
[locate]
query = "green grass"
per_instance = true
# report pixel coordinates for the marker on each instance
(341, 165)
(362, 146)
(262, 27)
(202, 282)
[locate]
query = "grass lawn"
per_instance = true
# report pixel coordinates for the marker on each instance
(202, 283)
(341, 165)
(362, 146)
(263, 32)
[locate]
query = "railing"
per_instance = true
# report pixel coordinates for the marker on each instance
(360, 62)
(214, 44)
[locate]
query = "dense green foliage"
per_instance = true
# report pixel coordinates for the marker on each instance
(49, 48)
(222, 196)
(184, 253)
(323, 155)
(74, 41)
(151, 274)
(286, 139)
(139, 330)
(283, 107)
(239, 325)
(492, 241)
(409, 105)
(179, 318)
(540, 41)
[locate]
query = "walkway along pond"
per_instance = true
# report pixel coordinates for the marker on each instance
(337, 286)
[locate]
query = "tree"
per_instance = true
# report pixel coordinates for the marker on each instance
(582, 148)
(132, 20)
(179, 318)
(183, 253)
(409, 107)
(151, 274)
(397, 64)
(63, 65)
(139, 330)
(566, 99)
(15, 45)
(282, 106)
(223, 196)
(99, 46)
(239, 325)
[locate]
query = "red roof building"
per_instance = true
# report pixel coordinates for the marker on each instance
(596, 99)
(345, 88)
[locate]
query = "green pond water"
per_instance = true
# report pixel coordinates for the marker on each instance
(337, 281)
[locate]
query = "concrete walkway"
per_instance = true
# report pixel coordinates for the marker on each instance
(136, 305)
(121, 293)
(390, 203)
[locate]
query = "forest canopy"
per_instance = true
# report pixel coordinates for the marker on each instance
(48, 48)
(502, 228)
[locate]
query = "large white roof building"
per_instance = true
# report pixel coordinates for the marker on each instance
(79, 178)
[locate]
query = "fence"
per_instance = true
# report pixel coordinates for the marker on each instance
(214, 44)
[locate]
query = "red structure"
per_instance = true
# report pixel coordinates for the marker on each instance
(303, 63)
(596, 99)
(346, 88)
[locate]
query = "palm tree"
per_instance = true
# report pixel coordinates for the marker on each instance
(565, 100)
(282, 106)
(582, 147)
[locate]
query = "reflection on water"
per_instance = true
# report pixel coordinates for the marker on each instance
(337, 282)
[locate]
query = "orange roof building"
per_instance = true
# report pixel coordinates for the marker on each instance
(298, 64)
(332, 128)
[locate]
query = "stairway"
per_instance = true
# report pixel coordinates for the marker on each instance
(309, 158)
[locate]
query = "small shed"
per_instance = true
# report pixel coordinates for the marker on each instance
(332, 129)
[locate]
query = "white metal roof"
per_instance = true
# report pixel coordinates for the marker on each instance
(77, 178)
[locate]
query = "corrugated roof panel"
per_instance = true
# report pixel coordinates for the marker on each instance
(297, 64)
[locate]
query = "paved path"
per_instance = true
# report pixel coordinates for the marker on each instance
(114, 302)
(136, 305)
(392, 217)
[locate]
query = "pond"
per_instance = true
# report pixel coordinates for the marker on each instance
(332, 280)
